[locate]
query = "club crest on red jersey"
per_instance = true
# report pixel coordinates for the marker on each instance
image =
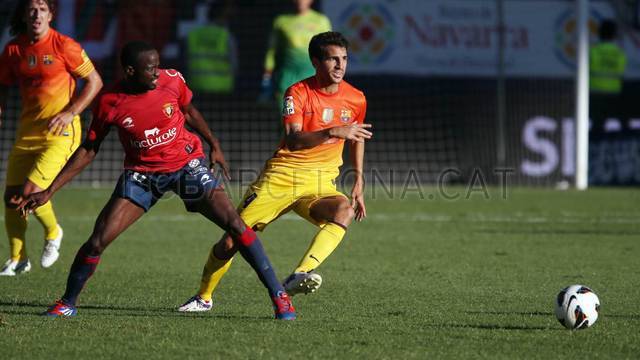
(168, 109)
(47, 59)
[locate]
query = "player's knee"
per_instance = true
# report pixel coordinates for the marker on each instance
(344, 214)
(225, 248)
(236, 226)
(95, 246)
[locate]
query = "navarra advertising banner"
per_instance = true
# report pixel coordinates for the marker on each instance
(461, 37)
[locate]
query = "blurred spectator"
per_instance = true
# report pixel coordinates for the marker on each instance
(211, 52)
(607, 63)
(287, 60)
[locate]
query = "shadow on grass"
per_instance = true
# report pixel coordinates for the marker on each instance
(545, 313)
(119, 311)
(494, 327)
(40, 305)
(23, 303)
(522, 313)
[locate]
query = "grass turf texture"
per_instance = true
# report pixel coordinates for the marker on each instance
(420, 278)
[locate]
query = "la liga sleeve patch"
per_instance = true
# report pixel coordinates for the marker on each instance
(288, 107)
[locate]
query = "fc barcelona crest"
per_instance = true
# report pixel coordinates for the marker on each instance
(47, 59)
(345, 115)
(168, 109)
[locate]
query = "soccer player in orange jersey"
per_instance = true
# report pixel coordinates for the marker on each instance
(45, 65)
(319, 114)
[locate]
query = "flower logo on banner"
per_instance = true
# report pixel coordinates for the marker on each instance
(566, 40)
(370, 29)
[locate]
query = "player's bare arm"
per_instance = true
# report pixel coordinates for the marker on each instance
(296, 139)
(356, 152)
(196, 121)
(58, 123)
(85, 154)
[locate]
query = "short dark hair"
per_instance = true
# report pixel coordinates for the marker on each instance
(608, 29)
(131, 51)
(17, 25)
(319, 43)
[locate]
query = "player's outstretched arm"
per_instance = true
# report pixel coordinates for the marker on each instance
(197, 123)
(296, 139)
(80, 159)
(59, 122)
(356, 152)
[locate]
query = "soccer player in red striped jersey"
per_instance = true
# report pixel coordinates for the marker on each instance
(148, 108)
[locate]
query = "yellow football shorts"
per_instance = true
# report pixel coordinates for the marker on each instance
(40, 161)
(281, 189)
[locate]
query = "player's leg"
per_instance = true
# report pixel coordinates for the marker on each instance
(117, 215)
(217, 265)
(16, 227)
(47, 218)
(19, 165)
(333, 215)
(46, 167)
(336, 213)
(218, 262)
(221, 254)
(130, 199)
(217, 207)
(263, 202)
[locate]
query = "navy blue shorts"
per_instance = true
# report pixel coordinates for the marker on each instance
(191, 183)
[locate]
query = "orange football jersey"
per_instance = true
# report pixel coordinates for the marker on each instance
(305, 104)
(44, 72)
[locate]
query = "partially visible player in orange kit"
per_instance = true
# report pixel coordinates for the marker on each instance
(319, 114)
(45, 65)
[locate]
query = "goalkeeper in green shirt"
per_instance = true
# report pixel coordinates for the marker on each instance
(287, 60)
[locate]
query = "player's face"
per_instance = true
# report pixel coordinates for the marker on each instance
(37, 17)
(302, 5)
(331, 69)
(146, 73)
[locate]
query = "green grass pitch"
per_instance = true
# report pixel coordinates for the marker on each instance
(420, 278)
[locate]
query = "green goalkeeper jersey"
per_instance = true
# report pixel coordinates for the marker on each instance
(287, 56)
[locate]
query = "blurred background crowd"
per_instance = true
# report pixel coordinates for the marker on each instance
(455, 88)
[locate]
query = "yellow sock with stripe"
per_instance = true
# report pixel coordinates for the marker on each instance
(16, 227)
(47, 218)
(213, 271)
(322, 245)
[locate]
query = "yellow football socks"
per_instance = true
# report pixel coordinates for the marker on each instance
(213, 271)
(323, 244)
(16, 227)
(47, 218)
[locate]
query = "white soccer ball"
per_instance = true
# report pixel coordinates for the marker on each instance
(577, 307)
